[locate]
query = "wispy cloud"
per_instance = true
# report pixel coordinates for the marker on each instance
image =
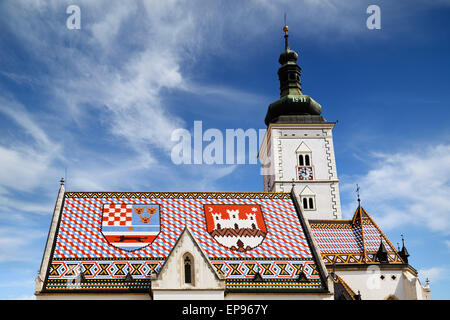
(26, 157)
(16, 242)
(447, 243)
(409, 187)
(433, 274)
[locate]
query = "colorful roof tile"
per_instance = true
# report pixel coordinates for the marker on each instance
(117, 240)
(353, 241)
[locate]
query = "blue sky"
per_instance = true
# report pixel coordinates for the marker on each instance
(101, 103)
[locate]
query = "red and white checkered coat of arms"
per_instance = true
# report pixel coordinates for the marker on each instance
(130, 226)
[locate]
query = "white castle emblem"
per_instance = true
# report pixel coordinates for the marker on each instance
(237, 231)
(234, 222)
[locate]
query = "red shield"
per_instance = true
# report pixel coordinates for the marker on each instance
(238, 227)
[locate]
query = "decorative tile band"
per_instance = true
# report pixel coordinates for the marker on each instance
(178, 195)
(275, 269)
(96, 285)
(103, 269)
(277, 285)
(340, 259)
(233, 269)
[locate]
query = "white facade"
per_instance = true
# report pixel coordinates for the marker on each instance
(385, 283)
(170, 282)
(280, 153)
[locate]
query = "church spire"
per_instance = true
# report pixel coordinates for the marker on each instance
(293, 106)
(404, 254)
(382, 253)
(289, 73)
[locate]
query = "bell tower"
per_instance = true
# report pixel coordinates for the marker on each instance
(297, 149)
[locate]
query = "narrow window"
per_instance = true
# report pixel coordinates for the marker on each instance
(307, 163)
(300, 160)
(305, 203)
(187, 270)
(311, 203)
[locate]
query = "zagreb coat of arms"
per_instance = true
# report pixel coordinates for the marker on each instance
(130, 226)
(239, 227)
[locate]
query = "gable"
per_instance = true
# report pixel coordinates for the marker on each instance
(171, 275)
(303, 148)
(307, 192)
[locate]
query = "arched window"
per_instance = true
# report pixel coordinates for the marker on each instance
(300, 160)
(304, 155)
(308, 202)
(188, 269)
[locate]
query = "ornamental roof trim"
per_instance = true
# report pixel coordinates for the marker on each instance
(176, 195)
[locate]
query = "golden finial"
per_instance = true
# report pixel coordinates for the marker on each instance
(285, 28)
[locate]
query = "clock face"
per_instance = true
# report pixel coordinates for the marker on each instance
(305, 173)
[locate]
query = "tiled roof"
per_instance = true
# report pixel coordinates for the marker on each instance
(353, 241)
(103, 237)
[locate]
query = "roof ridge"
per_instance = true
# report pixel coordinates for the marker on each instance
(384, 236)
(358, 217)
(386, 239)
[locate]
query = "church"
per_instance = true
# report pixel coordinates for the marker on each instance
(287, 242)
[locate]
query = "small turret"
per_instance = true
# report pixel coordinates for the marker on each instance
(403, 253)
(382, 254)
